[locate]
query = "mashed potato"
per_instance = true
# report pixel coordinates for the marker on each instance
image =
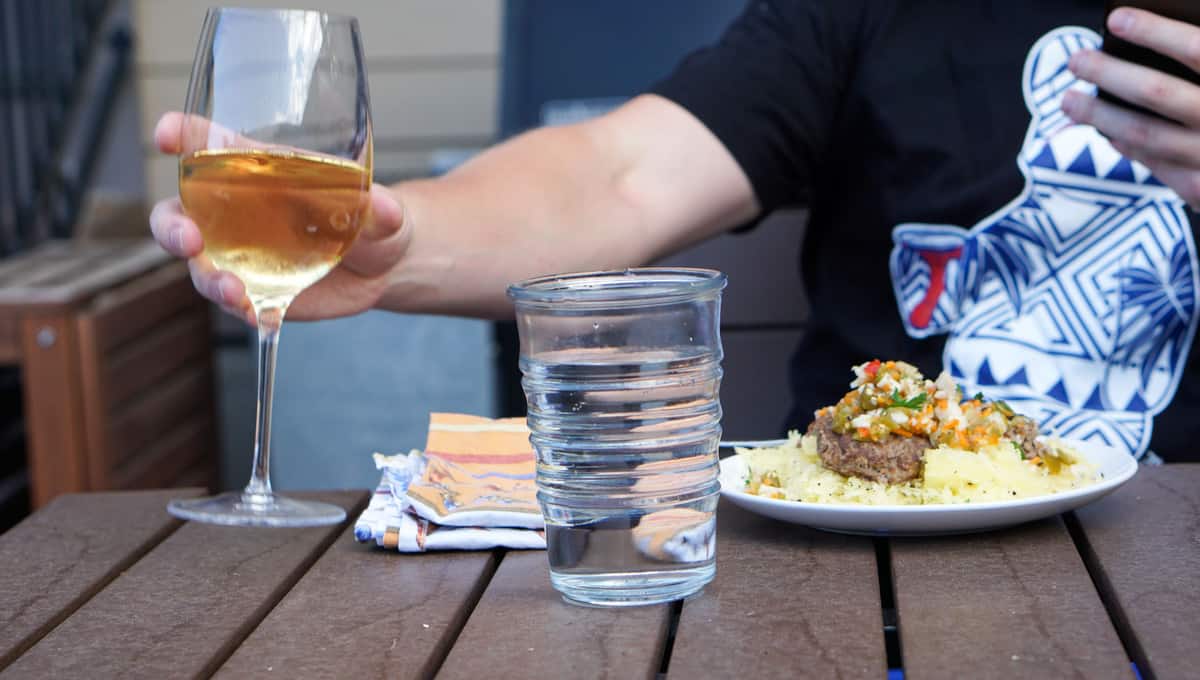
(993, 473)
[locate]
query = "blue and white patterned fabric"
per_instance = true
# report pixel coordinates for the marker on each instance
(1076, 302)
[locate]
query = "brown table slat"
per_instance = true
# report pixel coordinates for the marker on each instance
(181, 447)
(186, 605)
(787, 602)
(59, 557)
(137, 366)
(135, 308)
(138, 424)
(521, 628)
(1005, 604)
(10, 340)
(58, 274)
(365, 612)
(1143, 543)
(201, 474)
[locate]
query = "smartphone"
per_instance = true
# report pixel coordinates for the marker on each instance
(1181, 10)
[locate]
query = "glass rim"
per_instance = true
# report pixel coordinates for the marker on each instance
(332, 17)
(618, 287)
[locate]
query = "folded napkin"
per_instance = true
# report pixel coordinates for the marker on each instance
(472, 488)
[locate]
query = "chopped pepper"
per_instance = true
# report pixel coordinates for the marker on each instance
(873, 367)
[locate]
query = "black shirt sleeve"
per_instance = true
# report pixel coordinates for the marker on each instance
(771, 89)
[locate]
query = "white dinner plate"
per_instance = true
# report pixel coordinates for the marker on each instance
(1117, 467)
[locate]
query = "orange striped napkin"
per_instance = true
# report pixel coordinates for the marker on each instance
(472, 488)
(478, 472)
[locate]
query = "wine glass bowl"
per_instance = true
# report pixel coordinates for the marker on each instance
(275, 170)
(280, 220)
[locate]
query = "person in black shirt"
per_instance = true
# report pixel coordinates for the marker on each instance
(889, 119)
(907, 128)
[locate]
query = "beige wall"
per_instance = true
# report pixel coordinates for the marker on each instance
(433, 68)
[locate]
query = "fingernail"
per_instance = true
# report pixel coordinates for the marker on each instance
(176, 238)
(225, 288)
(1120, 20)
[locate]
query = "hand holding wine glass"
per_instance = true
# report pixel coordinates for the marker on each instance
(354, 285)
(275, 173)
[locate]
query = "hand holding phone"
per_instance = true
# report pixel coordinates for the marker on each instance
(1187, 11)
(1151, 66)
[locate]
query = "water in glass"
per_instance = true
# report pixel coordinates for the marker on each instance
(621, 371)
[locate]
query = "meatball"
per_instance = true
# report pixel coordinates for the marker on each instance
(891, 461)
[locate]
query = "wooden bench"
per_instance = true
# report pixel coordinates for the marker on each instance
(115, 353)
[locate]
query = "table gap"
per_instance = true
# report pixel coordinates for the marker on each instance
(289, 581)
(457, 625)
(887, 604)
(1108, 597)
(676, 612)
(100, 584)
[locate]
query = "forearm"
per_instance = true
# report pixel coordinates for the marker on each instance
(528, 207)
(592, 196)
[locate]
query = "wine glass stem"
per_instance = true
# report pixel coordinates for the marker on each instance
(269, 321)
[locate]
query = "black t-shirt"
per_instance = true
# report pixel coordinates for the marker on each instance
(876, 113)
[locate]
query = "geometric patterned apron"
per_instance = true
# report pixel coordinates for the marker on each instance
(1076, 302)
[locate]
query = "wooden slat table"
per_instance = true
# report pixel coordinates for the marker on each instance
(107, 585)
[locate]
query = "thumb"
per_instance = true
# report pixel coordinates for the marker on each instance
(383, 239)
(386, 218)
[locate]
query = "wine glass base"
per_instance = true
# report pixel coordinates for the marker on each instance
(236, 508)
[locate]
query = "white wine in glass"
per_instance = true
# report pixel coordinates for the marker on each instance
(276, 173)
(279, 220)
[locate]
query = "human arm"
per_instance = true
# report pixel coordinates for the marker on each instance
(619, 190)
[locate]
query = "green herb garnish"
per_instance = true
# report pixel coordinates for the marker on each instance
(914, 403)
(978, 396)
(1020, 449)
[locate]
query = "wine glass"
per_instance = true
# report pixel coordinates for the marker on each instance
(275, 170)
